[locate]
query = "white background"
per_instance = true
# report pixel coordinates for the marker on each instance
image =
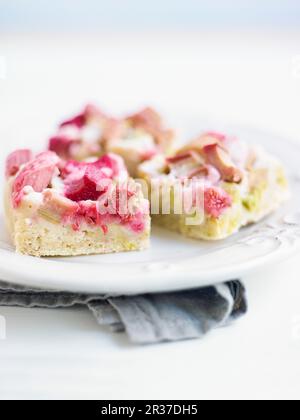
(249, 77)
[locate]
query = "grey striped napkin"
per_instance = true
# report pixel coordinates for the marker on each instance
(149, 318)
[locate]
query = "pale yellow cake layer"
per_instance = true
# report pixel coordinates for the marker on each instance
(209, 229)
(44, 239)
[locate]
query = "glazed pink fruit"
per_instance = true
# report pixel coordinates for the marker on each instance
(204, 140)
(86, 181)
(218, 136)
(112, 165)
(36, 173)
(220, 159)
(78, 120)
(179, 158)
(150, 121)
(81, 120)
(149, 154)
(15, 160)
(62, 145)
(113, 162)
(88, 186)
(210, 173)
(216, 201)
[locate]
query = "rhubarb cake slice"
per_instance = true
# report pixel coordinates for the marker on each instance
(62, 208)
(137, 138)
(223, 183)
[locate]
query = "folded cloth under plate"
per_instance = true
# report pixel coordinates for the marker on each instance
(149, 318)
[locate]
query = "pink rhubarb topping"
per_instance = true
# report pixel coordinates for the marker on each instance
(216, 201)
(37, 173)
(181, 157)
(70, 138)
(83, 118)
(92, 133)
(88, 212)
(111, 165)
(210, 174)
(151, 122)
(149, 154)
(225, 154)
(216, 135)
(212, 157)
(99, 197)
(197, 168)
(88, 181)
(15, 160)
(93, 191)
(62, 145)
(221, 160)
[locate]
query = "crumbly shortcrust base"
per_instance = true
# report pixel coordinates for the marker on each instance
(41, 239)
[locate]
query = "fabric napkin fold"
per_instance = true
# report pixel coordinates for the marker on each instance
(149, 318)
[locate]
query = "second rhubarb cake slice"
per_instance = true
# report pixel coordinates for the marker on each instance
(58, 208)
(215, 185)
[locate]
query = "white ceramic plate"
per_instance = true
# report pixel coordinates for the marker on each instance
(173, 262)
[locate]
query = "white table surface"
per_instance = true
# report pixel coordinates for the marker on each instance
(240, 78)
